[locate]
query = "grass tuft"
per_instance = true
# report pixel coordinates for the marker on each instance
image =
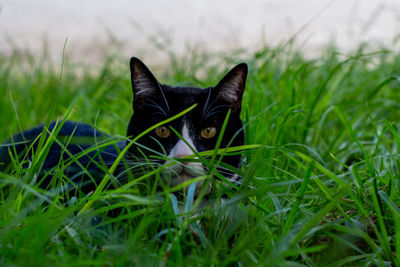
(320, 167)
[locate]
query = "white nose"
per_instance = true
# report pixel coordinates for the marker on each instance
(181, 150)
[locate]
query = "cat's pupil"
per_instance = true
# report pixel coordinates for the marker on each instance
(163, 132)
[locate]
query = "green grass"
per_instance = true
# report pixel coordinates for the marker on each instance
(322, 188)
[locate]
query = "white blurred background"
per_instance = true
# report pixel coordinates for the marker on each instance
(93, 27)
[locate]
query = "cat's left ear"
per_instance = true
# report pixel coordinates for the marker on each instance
(231, 87)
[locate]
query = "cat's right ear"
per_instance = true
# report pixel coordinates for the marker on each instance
(144, 84)
(231, 87)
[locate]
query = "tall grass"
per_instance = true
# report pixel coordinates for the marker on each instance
(321, 189)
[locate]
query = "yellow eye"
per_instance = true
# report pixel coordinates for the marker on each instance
(208, 132)
(163, 131)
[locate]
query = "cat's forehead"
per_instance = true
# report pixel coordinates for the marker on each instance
(185, 96)
(185, 90)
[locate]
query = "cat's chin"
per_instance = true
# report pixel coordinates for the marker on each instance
(180, 173)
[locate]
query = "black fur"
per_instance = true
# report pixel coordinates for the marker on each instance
(84, 133)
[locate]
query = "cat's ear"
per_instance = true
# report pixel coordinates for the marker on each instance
(231, 87)
(144, 84)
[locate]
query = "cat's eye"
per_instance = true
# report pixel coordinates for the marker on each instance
(208, 132)
(163, 131)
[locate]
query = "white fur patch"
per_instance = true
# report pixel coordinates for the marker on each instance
(183, 171)
(181, 149)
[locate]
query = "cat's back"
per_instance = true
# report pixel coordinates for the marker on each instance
(71, 136)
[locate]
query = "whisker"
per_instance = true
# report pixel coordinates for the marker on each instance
(206, 107)
(165, 99)
(157, 106)
(213, 110)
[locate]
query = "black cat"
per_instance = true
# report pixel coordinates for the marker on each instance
(152, 103)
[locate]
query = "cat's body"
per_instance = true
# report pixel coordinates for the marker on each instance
(153, 103)
(76, 138)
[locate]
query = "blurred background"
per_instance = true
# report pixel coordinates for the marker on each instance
(150, 28)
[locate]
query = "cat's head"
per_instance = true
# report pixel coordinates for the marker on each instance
(154, 102)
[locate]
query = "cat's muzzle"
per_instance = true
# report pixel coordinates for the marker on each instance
(183, 171)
